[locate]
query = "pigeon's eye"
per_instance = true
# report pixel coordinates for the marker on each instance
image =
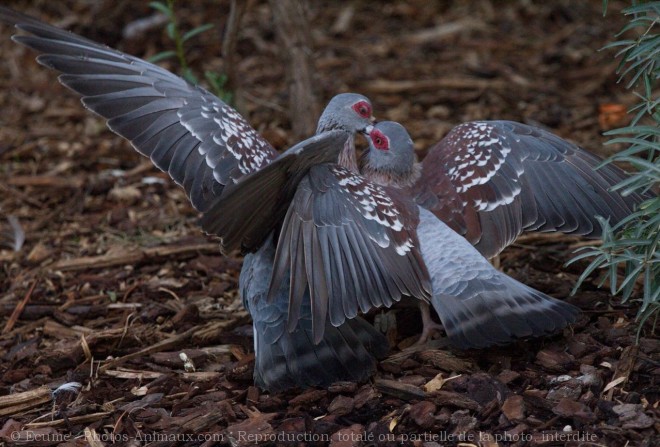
(363, 109)
(379, 140)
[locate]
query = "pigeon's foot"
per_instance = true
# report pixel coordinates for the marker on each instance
(429, 327)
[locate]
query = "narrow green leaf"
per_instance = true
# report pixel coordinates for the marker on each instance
(161, 56)
(161, 7)
(171, 30)
(195, 31)
(188, 75)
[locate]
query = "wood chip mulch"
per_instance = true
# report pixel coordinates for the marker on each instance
(121, 323)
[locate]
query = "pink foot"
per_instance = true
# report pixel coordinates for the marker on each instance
(429, 327)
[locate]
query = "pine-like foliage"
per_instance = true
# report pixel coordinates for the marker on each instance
(631, 246)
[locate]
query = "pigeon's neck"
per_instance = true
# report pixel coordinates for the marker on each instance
(347, 157)
(392, 177)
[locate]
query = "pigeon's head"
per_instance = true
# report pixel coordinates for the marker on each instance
(347, 111)
(390, 148)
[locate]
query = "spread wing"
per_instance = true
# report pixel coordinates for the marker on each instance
(186, 131)
(352, 243)
(492, 180)
(248, 211)
(478, 305)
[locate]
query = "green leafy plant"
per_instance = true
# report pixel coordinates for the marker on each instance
(217, 81)
(632, 244)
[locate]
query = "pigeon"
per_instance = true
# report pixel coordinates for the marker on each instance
(490, 181)
(478, 305)
(345, 240)
(258, 203)
(206, 147)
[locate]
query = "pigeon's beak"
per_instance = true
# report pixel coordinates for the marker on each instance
(372, 119)
(367, 130)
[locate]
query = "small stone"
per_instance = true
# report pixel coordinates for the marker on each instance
(571, 390)
(560, 379)
(590, 380)
(632, 416)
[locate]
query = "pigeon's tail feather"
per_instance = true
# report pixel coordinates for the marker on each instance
(287, 359)
(478, 305)
(501, 315)
(346, 353)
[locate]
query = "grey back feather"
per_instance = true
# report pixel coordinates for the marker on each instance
(478, 305)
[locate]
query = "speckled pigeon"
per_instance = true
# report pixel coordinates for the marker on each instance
(205, 146)
(259, 202)
(349, 242)
(478, 305)
(493, 180)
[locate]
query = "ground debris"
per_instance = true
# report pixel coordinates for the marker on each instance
(115, 288)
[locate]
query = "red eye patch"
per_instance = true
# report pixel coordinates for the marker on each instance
(363, 109)
(379, 140)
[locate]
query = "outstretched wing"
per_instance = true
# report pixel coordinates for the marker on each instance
(492, 180)
(186, 131)
(352, 243)
(249, 210)
(478, 305)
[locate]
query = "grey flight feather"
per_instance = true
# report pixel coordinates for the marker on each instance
(250, 210)
(493, 180)
(352, 243)
(478, 305)
(286, 359)
(201, 142)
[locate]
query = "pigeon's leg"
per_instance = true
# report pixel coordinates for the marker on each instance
(429, 327)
